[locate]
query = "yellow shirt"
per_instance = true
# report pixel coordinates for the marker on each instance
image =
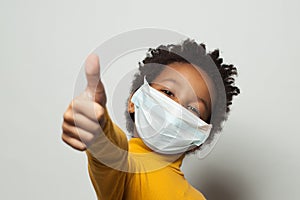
(122, 170)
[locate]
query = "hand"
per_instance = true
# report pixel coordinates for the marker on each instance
(84, 117)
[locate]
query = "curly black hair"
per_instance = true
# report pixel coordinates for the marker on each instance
(191, 52)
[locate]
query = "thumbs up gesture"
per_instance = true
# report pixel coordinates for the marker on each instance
(84, 117)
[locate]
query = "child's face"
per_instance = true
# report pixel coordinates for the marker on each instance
(183, 83)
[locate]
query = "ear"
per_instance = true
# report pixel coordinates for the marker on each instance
(130, 107)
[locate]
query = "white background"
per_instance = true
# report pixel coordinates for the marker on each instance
(44, 43)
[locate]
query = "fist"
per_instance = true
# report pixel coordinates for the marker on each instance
(84, 118)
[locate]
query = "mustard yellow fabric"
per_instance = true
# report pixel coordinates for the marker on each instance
(122, 170)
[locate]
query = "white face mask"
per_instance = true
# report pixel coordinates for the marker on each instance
(164, 125)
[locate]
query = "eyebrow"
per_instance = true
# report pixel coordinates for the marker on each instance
(169, 79)
(198, 98)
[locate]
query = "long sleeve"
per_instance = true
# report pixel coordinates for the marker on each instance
(107, 162)
(139, 174)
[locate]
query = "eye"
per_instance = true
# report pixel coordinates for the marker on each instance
(194, 110)
(167, 92)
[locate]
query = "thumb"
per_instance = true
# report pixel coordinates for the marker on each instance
(95, 88)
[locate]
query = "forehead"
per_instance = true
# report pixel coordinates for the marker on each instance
(189, 79)
(185, 70)
(185, 74)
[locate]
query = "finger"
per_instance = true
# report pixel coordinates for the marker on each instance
(68, 116)
(73, 142)
(90, 109)
(95, 88)
(78, 133)
(85, 107)
(86, 124)
(92, 71)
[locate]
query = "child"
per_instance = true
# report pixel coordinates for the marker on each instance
(176, 106)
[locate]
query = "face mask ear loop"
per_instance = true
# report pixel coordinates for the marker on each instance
(145, 80)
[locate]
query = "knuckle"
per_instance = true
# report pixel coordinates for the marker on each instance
(69, 130)
(64, 138)
(64, 127)
(68, 115)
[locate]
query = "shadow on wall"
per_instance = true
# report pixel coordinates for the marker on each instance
(219, 184)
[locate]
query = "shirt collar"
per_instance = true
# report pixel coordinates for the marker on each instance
(146, 160)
